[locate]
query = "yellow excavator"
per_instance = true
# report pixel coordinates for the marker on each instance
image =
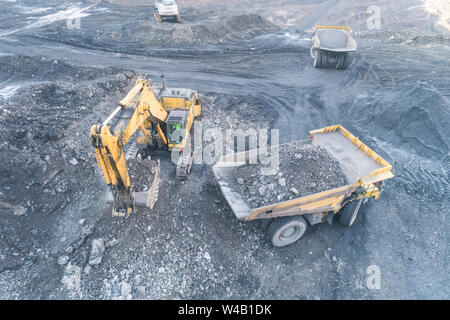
(160, 121)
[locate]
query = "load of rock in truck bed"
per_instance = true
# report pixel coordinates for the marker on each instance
(304, 169)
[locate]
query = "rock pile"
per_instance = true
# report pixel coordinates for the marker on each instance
(303, 169)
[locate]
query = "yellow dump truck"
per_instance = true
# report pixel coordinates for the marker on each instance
(285, 222)
(331, 45)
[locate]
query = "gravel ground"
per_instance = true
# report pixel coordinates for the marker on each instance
(45, 162)
(303, 169)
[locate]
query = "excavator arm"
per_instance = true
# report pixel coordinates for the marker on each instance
(147, 108)
(111, 160)
(138, 110)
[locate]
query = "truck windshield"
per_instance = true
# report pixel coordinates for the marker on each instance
(168, 2)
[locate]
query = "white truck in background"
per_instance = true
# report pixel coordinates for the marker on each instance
(166, 10)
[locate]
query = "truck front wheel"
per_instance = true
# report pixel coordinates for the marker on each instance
(349, 212)
(286, 230)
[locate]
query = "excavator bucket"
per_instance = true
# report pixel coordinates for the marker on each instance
(144, 179)
(148, 197)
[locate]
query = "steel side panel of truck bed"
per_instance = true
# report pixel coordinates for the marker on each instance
(333, 38)
(359, 163)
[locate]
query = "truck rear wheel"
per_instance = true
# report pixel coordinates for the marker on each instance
(325, 59)
(157, 17)
(286, 230)
(342, 61)
(318, 59)
(349, 212)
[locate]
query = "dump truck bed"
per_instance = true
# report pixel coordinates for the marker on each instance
(358, 163)
(353, 161)
(331, 38)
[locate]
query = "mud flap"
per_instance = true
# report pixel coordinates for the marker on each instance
(314, 218)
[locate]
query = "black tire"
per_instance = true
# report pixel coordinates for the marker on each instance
(286, 230)
(325, 59)
(342, 61)
(157, 17)
(346, 59)
(339, 61)
(349, 212)
(318, 59)
(312, 53)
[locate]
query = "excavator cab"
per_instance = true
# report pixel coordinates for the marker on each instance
(176, 127)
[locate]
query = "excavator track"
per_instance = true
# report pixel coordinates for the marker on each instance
(132, 151)
(184, 165)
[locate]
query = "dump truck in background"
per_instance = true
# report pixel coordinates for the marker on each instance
(285, 222)
(161, 120)
(331, 46)
(166, 10)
